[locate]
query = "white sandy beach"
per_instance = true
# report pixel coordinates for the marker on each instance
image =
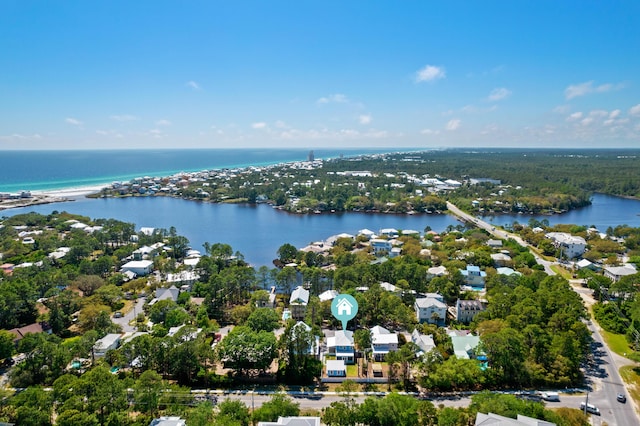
(71, 192)
(51, 196)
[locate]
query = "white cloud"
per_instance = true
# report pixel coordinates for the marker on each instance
(281, 124)
(429, 132)
(18, 136)
(163, 123)
(575, 116)
(472, 109)
(192, 84)
(124, 117)
(335, 98)
(561, 109)
(575, 90)
(259, 125)
(499, 94)
(600, 113)
(586, 121)
(635, 110)
(430, 73)
(615, 113)
(365, 119)
(74, 121)
(453, 124)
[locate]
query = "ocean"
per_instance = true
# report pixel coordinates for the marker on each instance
(51, 170)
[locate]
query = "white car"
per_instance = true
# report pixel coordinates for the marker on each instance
(590, 408)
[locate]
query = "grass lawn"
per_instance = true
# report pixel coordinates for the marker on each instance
(631, 376)
(352, 371)
(562, 272)
(618, 344)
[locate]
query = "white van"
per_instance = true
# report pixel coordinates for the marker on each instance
(590, 408)
(551, 396)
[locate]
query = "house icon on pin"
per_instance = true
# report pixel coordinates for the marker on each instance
(344, 307)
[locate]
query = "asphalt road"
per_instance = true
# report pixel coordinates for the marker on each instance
(601, 374)
(129, 316)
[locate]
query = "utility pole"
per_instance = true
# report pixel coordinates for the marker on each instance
(586, 403)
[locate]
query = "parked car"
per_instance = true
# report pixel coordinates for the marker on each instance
(621, 398)
(551, 396)
(590, 408)
(118, 314)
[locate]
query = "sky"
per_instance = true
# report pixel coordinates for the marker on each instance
(312, 74)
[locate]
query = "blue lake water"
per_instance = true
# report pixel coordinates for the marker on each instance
(604, 211)
(258, 231)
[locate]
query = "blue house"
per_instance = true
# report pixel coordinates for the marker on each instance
(473, 276)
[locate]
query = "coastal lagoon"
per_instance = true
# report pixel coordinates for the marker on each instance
(604, 211)
(258, 231)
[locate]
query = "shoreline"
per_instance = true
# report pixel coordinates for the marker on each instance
(51, 196)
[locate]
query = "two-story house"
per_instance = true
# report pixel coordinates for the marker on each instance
(569, 245)
(467, 310)
(342, 345)
(381, 247)
(431, 309)
(383, 341)
(298, 302)
(473, 276)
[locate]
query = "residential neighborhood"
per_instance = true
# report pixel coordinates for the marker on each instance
(428, 305)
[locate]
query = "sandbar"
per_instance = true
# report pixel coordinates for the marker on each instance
(50, 196)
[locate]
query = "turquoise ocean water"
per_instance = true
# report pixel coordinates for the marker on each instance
(49, 170)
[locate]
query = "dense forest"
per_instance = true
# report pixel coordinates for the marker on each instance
(526, 181)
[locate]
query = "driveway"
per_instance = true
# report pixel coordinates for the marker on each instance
(129, 317)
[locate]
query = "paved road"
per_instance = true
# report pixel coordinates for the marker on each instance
(128, 317)
(602, 374)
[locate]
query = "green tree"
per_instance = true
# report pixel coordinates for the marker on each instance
(263, 319)
(33, 407)
(231, 412)
(147, 391)
(278, 406)
(287, 253)
(245, 349)
(6, 344)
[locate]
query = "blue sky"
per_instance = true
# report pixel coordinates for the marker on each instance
(309, 74)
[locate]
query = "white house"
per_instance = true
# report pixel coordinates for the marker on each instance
(367, 233)
(328, 295)
(436, 271)
(336, 368)
(423, 341)
(615, 273)
(431, 309)
(501, 259)
(298, 302)
(138, 267)
(570, 245)
(491, 419)
(293, 421)
(107, 343)
(382, 342)
(389, 233)
(168, 421)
